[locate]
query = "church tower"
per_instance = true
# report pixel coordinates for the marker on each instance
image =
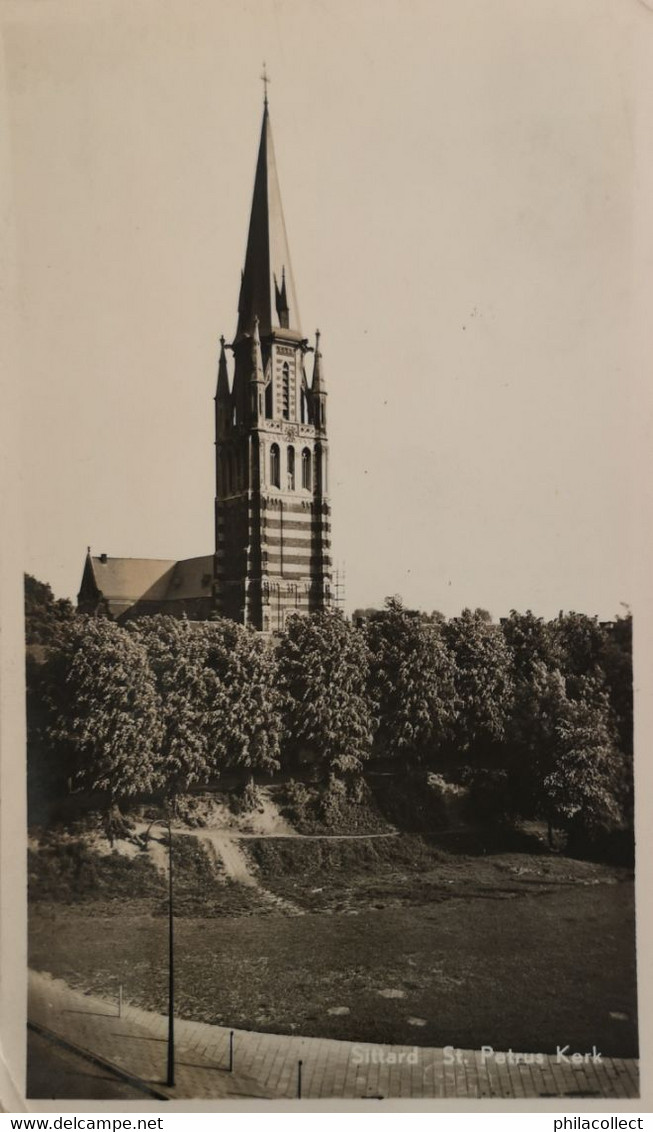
(272, 514)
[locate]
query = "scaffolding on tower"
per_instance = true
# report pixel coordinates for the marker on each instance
(338, 591)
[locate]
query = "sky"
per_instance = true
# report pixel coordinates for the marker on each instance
(458, 182)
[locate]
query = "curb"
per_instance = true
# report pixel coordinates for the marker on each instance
(97, 1059)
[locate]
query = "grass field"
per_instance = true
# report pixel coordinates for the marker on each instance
(395, 943)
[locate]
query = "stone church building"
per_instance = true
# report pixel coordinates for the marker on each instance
(272, 516)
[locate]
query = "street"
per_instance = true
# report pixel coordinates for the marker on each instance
(54, 1073)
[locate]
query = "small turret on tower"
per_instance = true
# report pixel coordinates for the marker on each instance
(223, 393)
(257, 376)
(318, 389)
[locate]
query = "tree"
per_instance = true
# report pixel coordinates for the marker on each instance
(530, 641)
(217, 698)
(617, 665)
(103, 709)
(244, 717)
(45, 616)
(322, 678)
(583, 786)
(564, 761)
(483, 680)
(580, 642)
(411, 681)
(540, 702)
(539, 689)
(177, 655)
(47, 776)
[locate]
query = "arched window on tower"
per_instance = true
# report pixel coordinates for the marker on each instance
(275, 467)
(285, 392)
(304, 407)
(268, 400)
(318, 469)
(291, 468)
(306, 469)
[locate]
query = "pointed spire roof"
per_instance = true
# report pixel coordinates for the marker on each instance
(267, 287)
(318, 377)
(222, 392)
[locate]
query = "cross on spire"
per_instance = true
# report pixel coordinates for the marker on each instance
(265, 80)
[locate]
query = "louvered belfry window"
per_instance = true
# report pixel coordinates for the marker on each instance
(306, 469)
(285, 392)
(275, 469)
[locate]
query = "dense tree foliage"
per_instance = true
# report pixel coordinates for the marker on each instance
(176, 652)
(568, 747)
(483, 681)
(323, 681)
(530, 641)
(411, 682)
(244, 719)
(534, 718)
(583, 789)
(579, 641)
(616, 662)
(45, 616)
(104, 719)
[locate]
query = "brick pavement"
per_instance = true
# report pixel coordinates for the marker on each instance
(266, 1065)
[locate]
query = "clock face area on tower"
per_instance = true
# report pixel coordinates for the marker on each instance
(272, 513)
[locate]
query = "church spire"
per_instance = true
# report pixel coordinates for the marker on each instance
(267, 288)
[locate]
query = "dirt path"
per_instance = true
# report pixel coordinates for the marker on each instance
(226, 854)
(314, 836)
(224, 850)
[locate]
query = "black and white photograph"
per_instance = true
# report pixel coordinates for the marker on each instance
(328, 430)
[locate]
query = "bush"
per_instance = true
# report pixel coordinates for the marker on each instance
(247, 800)
(488, 800)
(300, 805)
(334, 800)
(70, 873)
(320, 858)
(190, 810)
(616, 847)
(340, 806)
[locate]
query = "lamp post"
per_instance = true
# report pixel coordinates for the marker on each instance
(170, 1076)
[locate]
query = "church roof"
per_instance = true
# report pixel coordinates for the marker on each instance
(129, 579)
(191, 578)
(147, 584)
(267, 287)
